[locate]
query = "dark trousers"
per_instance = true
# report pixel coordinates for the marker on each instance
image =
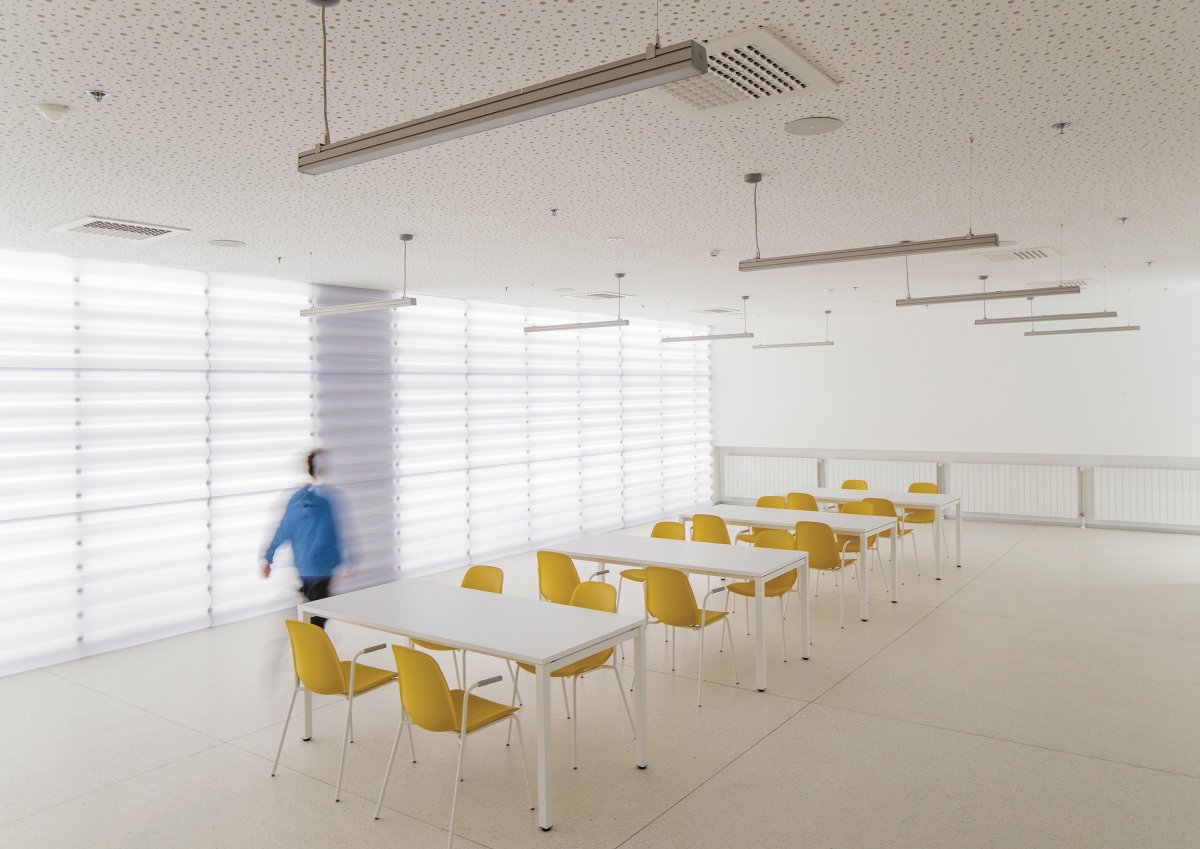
(315, 589)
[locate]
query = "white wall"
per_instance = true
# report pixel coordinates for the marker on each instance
(927, 379)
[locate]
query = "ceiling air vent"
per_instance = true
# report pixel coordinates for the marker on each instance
(1020, 253)
(747, 67)
(598, 296)
(1081, 282)
(716, 311)
(116, 229)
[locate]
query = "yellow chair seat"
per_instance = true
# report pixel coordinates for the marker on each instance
(480, 711)
(919, 517)
(579, 667)
(367, 677)
(433, 646)
(747, 536)
(903, 533)
(712, 616)
(634, 575)
(773, 588)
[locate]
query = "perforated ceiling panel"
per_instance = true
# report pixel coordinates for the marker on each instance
(210, 103)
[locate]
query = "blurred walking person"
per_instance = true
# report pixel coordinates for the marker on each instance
(312, 526)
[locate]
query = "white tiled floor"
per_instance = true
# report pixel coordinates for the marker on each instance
(1047, 694)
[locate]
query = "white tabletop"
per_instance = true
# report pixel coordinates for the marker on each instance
(770, 517)
(499, 625)
(700, 557)
(911, 500)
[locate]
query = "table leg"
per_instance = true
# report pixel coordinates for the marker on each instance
(937, 542)
(639, 698)
(760, 647)
(307, 617)
(544, 738)
(864, 603)
(958, 533)
(805, 627)
(893, 564)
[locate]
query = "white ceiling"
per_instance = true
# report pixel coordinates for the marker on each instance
(211, 103)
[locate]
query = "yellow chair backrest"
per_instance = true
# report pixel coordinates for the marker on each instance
(424, 691)
(596, 596)
(816, 538)
(316, 660)
(669, 530)
(557, 576)
(921, 515)
(669, 598)
(854, 484)
(929, 488)
(774, 539)
(775, 501)
(860, 508)
(881, 506)
(801, 501)
(706, 528)
(488, 579)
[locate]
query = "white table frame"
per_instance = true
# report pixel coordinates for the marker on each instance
(611, 630)
(861, 526)
(937, 502)
(700, 558)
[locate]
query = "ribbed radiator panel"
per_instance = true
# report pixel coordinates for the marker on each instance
(1002, 489)
(1147, 496)
(745, 476)
(881, 475)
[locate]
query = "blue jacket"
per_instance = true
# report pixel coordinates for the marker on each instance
(310, 524)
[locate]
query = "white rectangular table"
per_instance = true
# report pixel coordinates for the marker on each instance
(842, 523)
(936, 502)
(758, 565)
(546, 636)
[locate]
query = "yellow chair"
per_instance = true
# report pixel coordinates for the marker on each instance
(849, 542)
(777, 587)
(319, 670)
(662, 530)
(924, 517)
(706, 528)
(671, 601)
(816, 538)
(428, 702)
(775, 502)
(884, 507)
(854, 483)
(592, 595)
(801, 501)
(558, 577)
(488, 579)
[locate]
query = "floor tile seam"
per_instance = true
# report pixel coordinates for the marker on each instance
(720, 770)
(1122, 632)
(1010, 741)
(108, 786)
(1028, 533)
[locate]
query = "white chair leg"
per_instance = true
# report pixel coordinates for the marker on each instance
(624, 701)
(841, 599)
(337, 792)
(513, 702)
(722, 648)
(673, 653)
(458, 681)
(566, 701)
(817, 585)
(882, 571)
(783, 626)
(286, 720)
(524, 765)
(462, 747)
(387, 773)
(620, 581)
(700, 668)
(575, 721)
(746, 607)
(511, 674)
(732, 653)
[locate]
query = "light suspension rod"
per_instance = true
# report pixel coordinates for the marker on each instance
(1083, 330)
(1065, 316)
(363, 307)
(708, 338)
(960, 243)
(653, 68)
(583, 325)
(803, 344)
(1071, 289)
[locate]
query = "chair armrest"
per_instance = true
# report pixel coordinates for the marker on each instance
(368, 650)
(598, 573)
(495, 679)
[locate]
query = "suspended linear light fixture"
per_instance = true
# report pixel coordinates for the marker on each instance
(587, 325)
(712, 337)
(657, 66)
(1083, 330)
(999, 294)
(1065, 316)
(802, 344)
(366, 306)
(958, 243)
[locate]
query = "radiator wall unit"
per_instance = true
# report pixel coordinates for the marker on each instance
(881, 475)
(745, 476)
(1146, 496)
(1003, 489)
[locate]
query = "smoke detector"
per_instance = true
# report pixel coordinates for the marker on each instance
(117, 229)
(747, 67)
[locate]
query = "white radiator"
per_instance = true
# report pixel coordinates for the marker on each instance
(880, 475)
(1146, 496)
(1002, 489)
(745, 476)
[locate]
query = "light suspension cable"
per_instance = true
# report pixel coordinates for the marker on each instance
(367, 306)
(802, 344)
(711, 337)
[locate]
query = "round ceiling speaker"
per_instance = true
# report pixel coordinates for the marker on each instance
(812, 126)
